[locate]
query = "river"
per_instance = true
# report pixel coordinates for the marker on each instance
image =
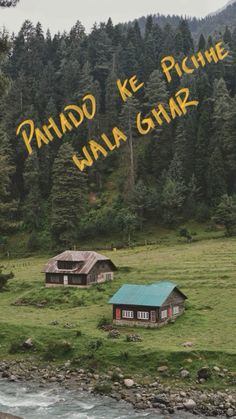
(32, 402)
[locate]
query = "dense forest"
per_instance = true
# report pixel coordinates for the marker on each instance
(181, 171)
(213, 24)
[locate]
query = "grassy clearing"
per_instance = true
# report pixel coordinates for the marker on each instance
(205, 270)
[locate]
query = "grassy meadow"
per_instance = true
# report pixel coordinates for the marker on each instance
(205, 271)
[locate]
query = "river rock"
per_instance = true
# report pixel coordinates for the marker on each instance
(188, 344)
(163, 368)
(184, 373)
(204, 373)
(128, 382)
(230, 413)
(28, 344)
(190, 404)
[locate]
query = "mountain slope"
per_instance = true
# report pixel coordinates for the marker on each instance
(230, 2)
(212, 25)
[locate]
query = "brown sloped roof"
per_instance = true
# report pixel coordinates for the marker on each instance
(88, 259)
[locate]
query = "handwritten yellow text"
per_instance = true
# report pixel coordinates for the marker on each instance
(177, 107)
(67, 122)
(191, 64)
(123, 89)
(96, 149)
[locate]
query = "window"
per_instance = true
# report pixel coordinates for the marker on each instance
(61, 264)
(127, 314)
(108, 277)
(55, 279)
(176, 310)
(164, 314)
(143, 315)
(75, 279)
(91, 278)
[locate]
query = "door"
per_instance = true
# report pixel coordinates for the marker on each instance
(153, 316)
(170, 312)
(118, 314)
(65, 279)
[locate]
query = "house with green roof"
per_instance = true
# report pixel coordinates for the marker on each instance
(147, 305)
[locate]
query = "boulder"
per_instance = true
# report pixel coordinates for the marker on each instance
(204, 373)
(114, 334)
(230, 413)
(189, 404)
(133, 338)
(184, 374)
(188, 344)
(128, 382)
(162, 368)
(28, 344)
(7, 416)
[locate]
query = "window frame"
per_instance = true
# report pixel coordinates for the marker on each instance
(164, 316)
(176, 310)
(143, 315)
(125, 314)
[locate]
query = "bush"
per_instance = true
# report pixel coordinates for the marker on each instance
(4, 278)
(33, 242)
(202, 213)
(95, 344)
(103, 388)
(104, 321)
(58, 349)
(186, 234)
(16, 347)
(124, 355)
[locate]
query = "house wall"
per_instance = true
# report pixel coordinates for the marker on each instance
(101, 272)
(54, 279)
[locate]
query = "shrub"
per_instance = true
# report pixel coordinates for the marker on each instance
(103, 388)
(4, 278)
(124, 355)
(95, 344)
(33, 242)
(103, 322)
(57, 349)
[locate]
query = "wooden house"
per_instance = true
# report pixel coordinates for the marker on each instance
(147, 305)
(78, 269)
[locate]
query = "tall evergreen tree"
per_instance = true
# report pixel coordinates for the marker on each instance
(68, 198)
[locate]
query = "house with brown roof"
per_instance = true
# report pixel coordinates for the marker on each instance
(78, 269)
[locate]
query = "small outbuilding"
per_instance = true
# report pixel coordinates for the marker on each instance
(147, 305)
(78, 269)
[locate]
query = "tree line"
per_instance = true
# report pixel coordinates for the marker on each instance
(176, 172)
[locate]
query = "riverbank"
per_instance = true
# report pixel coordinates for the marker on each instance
(163, 399)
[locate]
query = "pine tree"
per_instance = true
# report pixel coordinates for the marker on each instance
(8, 203)
(32, 206)
(68, 198)
(202, 43)
(8, 3)
(173, 192)
(128, 123)
(225, 214)
(159, 144)
(186, 36)
(216, 183)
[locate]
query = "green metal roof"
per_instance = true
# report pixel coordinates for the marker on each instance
(153, 295)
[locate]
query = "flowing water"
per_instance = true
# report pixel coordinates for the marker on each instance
(31, 402)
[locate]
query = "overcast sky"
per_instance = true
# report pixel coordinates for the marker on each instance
(62, 14)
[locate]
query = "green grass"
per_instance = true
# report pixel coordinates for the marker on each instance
(204, 270)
